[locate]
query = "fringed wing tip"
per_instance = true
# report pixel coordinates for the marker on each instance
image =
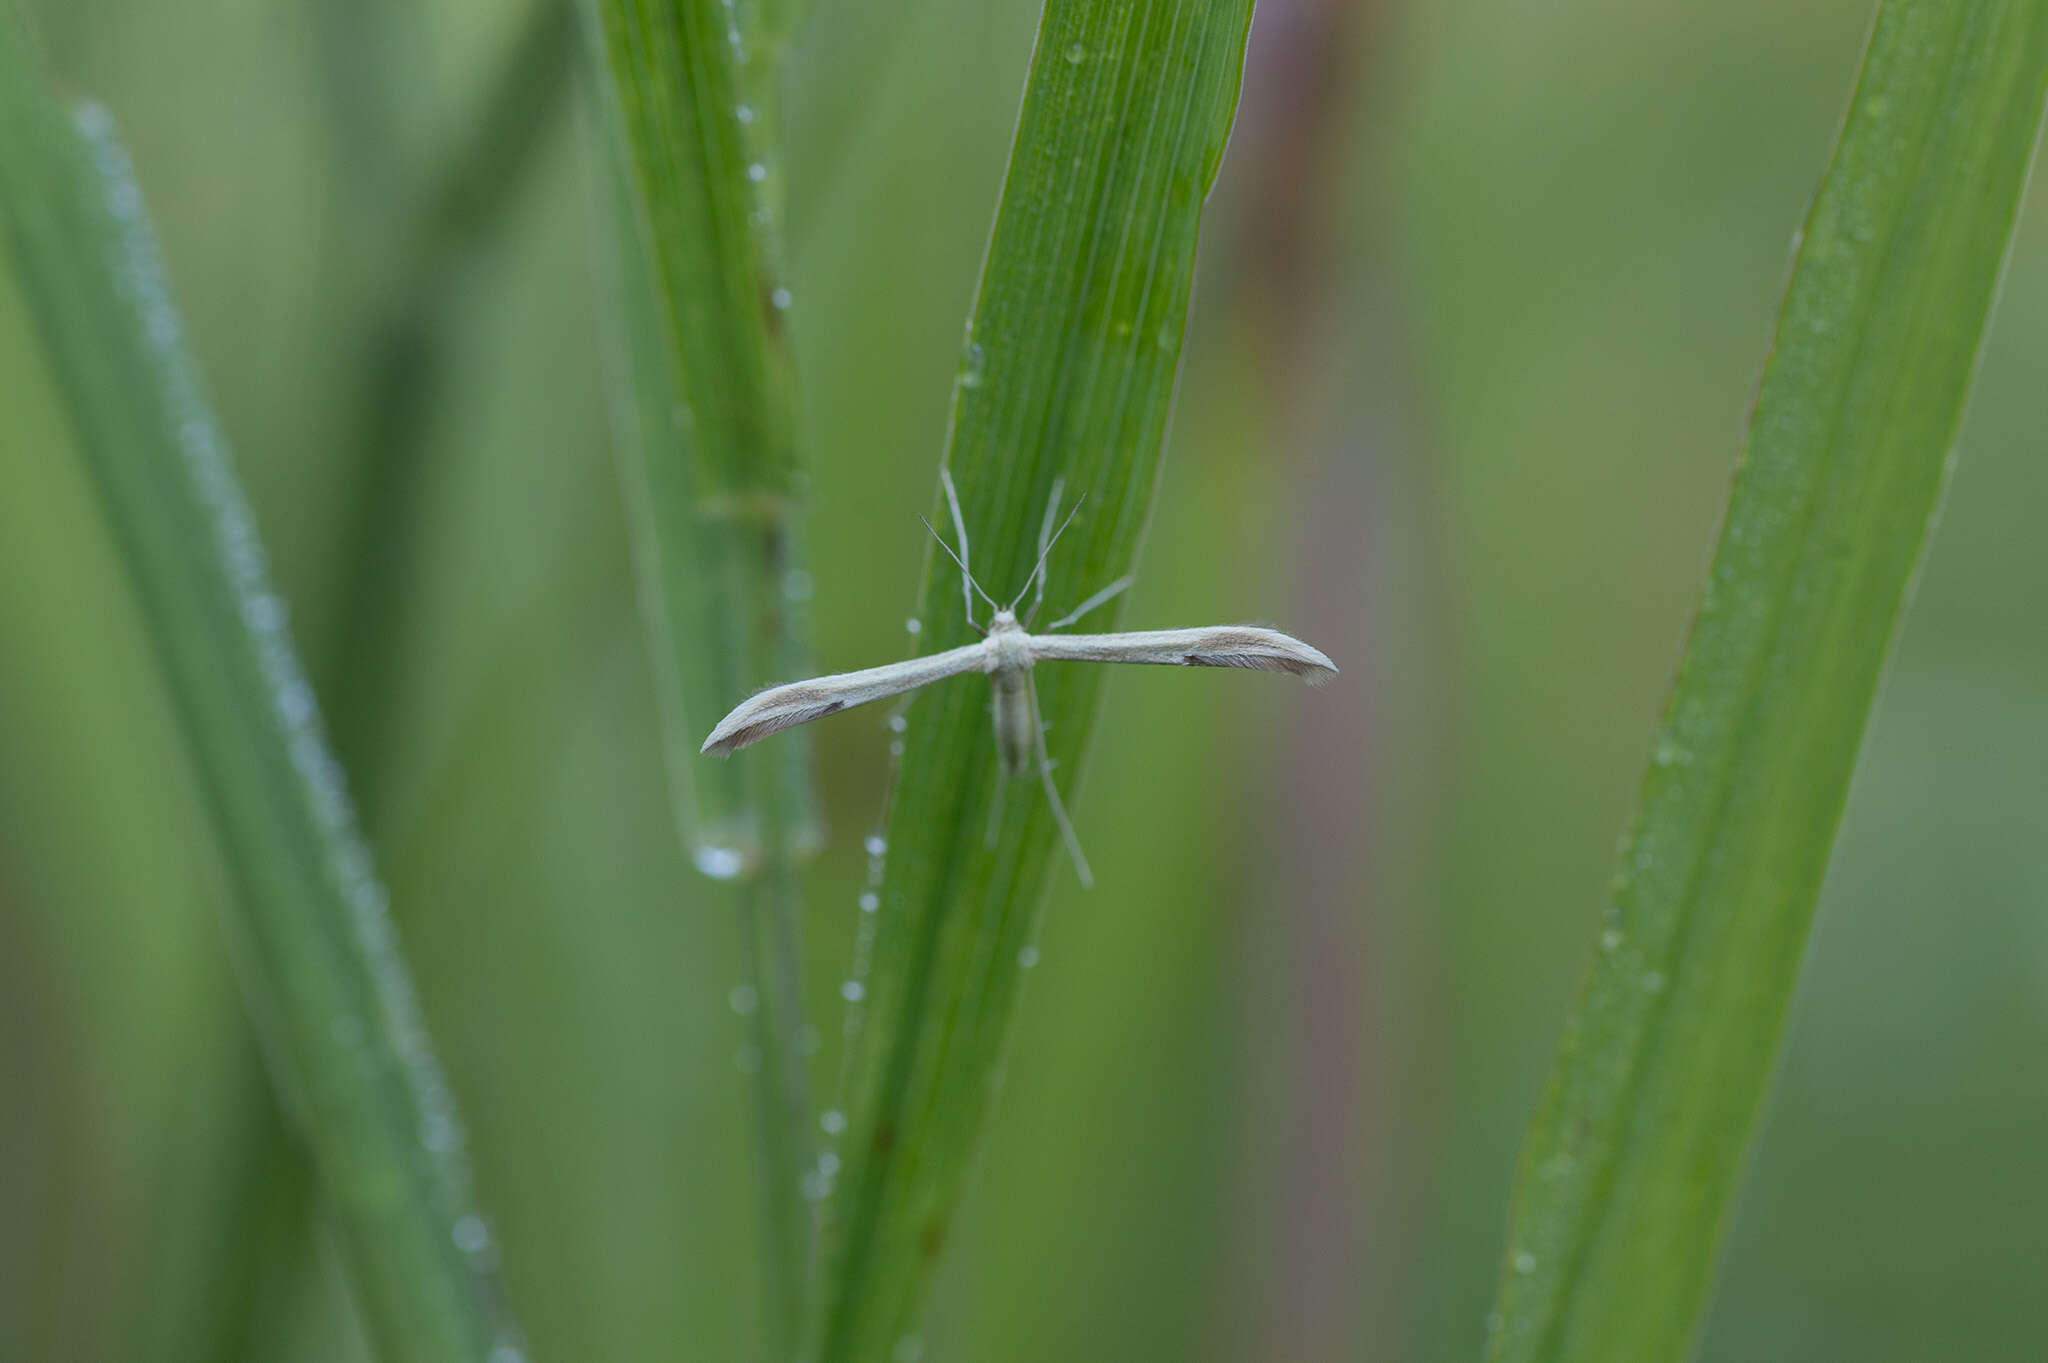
(1317, 667)
(1283, 652)
(740, 727)
(770, 712)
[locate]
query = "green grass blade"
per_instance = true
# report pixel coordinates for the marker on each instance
(1625, 1179)
(404, 362)
(325, 980)
(1068, 372)
(714, 478)
(713, 491)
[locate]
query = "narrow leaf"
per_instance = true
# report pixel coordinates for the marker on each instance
(1624, 1184)
(324, 977)
(713, 492)
(1068, 373)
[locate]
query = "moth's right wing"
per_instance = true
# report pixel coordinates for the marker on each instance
(779, 707)
(1251, 646)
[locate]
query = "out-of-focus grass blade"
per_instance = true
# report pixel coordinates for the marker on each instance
(716, 480)
(326, 982)
(713, 490)
(404, 359)
(1625, 1179)
(1068, 372)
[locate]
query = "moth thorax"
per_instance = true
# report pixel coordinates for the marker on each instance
(1012, 647)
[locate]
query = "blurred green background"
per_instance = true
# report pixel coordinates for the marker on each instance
(1484, 293)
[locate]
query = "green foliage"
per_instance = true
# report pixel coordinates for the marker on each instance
(712, 459)
(1629, 1167)
(1067, 374)
(1480, 292)
(706, 423)
(326, 983)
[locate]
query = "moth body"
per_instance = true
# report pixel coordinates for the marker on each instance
(1009, 675)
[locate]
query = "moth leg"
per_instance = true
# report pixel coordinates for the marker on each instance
(967, 584)
(1052, 793)
(995, 808)
(1112, 590)
(1052, 509)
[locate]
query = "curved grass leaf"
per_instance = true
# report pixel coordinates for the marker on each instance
(1068, 373)
(325, 980)
(713, 492)
(1626, 1176)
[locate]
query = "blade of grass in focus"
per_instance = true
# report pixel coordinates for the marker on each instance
(1068, 372)
(1624, 1182)
(713, 490)
(325, 981)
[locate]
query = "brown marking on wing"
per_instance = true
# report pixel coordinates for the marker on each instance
(1251, 651)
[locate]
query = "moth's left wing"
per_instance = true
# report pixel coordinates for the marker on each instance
(1264, 650)
(779, 707)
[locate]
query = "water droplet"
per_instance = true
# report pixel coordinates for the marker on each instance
(828, 1163)
(816, 1186)
(1525, 1262)
(1495, 1322)
(1610, 939)
(757, 172)
(870, 901)
(743, 999)
(1077, 54)
(876, 844)
(852, 991)
(1670, 754)
(780, 298)
(1653, 982)
(909, 1349)
(796, 585)
(896, 748)
(507, 1353)
(720, 863)
(833, 1121)
(744, 113)
(439, 1133)
(970, 371)
(1027, 958)
(808, 1040)
(898, 723)
(471, 1234)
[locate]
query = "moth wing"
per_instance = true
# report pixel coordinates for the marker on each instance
(1248, 646)
(781, 707)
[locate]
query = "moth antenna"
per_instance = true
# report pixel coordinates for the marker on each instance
(966, 578)
(1045, 544)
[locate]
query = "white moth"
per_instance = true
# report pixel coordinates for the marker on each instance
(1007, 653)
